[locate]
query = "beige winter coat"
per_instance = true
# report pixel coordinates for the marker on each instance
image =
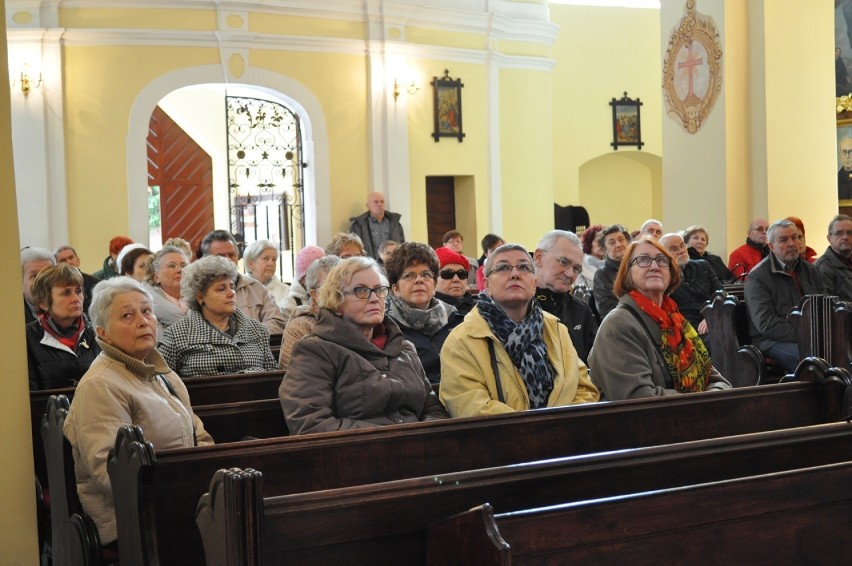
(119, 390)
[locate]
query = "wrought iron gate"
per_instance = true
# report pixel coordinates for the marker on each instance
(265, 188)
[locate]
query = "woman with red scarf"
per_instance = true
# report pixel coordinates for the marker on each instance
(61, 342)
(645, 347)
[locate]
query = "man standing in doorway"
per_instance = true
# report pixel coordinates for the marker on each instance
(377, 225)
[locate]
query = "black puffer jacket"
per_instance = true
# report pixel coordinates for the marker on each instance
(53, 365)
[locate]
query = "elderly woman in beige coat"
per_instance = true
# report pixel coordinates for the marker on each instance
(129, 383)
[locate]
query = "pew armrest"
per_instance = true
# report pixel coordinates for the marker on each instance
(131, 464)
(470, 538)
(230, 518)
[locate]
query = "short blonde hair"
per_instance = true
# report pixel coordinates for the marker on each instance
(331, 293)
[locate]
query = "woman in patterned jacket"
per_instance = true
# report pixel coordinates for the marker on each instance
(216, 337)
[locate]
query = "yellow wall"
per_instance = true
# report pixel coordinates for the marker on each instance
(449, 157)
(17, 497)
(600, 53)
(526, 133)
(800, 118)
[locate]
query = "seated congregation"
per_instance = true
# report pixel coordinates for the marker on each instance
(417, 335)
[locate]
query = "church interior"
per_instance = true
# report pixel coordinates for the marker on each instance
(746, 134)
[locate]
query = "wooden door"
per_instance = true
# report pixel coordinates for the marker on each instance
(440, 208)
(184, 173)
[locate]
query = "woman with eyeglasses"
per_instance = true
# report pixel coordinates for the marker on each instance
(356, 370)
(425, 321)
(645, 347)
(508, 354)
(164, 275)
(451, 286)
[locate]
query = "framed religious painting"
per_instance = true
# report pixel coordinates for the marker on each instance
(626, 122)
(447, 100)
(844, 161)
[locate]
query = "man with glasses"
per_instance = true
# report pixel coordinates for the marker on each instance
(744, 258)
(776, 285)
(558, 261)
(835, 265)
(508, 354)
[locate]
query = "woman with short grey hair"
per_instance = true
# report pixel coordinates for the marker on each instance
(261, 259)
(304, 317)
(129, 383)
(163, 277)
(215, 337)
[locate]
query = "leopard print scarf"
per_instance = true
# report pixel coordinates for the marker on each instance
(524, 343)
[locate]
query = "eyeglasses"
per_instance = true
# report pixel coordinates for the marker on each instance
(506, 269)
(449, 274)
(173, 266)
(841, 233)
(411, 276)
(759, 229)
(365, 292)
(566, 263)
(644, 261)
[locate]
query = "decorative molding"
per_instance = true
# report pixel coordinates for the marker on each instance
(692, 80)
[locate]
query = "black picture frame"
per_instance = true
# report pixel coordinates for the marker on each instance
(447, 106)
(626, 122)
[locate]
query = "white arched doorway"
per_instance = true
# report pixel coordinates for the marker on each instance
(259, 84)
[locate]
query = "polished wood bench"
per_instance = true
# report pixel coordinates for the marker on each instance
(824, 329)
(793, 517)
(367, 524)
(741, 365)
(211, 390)
(156, 493)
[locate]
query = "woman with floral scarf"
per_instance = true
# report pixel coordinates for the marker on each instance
(645, 347)
(508, 354)
(425, 321)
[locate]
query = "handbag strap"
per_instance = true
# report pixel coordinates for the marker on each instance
(493, 356)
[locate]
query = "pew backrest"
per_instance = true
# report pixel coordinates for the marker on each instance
(63, 491)
(741, 365)
(822, 324)
(374, 521)
(171, 485)
(742, 521)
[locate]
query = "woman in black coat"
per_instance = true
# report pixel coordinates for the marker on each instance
(61, 341)
(425, 321)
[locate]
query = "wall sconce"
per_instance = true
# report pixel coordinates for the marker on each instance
(412, 88)
(27, 80)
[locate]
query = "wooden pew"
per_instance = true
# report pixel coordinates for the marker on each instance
(233, 388)
(74, 537)
(823, 329)
(793, 517)
(368, 524)
(233, 422)
(168, 482)
(212, 390)
(726, 318)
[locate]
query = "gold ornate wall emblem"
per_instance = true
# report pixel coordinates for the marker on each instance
(692, 69)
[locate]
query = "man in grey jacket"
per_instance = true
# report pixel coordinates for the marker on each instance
(835, 265)
(776, 285)
(377, 225)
